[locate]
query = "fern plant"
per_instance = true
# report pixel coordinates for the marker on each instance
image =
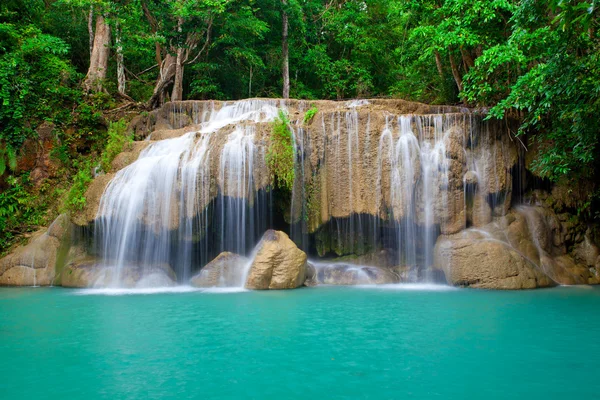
(8, 158)
(281, 152)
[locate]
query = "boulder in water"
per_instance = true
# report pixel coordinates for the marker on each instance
(471, 259)
(226, 270)
(279, 263)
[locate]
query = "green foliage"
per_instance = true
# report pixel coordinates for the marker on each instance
(547, 73)
(35, 80)
(8, 159)
(281, 153)
(117, 139)
(310, 114)
(18, 211)
(76, 199)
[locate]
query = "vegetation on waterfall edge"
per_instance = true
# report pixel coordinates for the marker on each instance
(534, 61)
(310, 114)
(281, 153)
(118, 138)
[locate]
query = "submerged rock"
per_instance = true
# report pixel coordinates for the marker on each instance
(226, 270)
(279, 263)
(346, 274)
(155, 280)
(311, 275)
(91, 273)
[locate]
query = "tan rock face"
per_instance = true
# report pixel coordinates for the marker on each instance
(226, 270)
(485, 263)
(278, 264)
(36, 263)
(523, 249)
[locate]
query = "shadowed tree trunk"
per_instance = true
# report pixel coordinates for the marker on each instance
(166, 74)
(285, 53)
(99, 58)
(467, 59)
(172, 66)
(456, 73)
(177, 94)
(438, 63)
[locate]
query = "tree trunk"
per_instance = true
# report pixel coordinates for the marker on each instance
(467, 59)
(285, 53)
(91, 29)
(177, 94)
(166, 75)
(120, 64)
(456, 73)
(438, 63)
(99, 59)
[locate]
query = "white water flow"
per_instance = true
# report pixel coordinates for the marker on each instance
(157, 212)
(414, 152)
(377, 180)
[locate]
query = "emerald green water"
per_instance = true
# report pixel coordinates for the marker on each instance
(327, 342)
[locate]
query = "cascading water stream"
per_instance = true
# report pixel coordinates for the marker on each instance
(188, 198)
(158, 211)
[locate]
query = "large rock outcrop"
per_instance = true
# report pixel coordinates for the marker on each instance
(524, 249)
(38, 262)
(226, 270)
(278, 263)
(473, 260)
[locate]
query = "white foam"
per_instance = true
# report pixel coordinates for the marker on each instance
(224, 290)
(156, 290)
(128, 291)
(411, 287)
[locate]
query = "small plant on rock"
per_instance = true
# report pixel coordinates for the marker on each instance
(281, 152)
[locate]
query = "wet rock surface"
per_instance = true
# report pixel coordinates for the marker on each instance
(525, 249)
(279, 263)
(226, 270)
(349, 274)
(480, 262)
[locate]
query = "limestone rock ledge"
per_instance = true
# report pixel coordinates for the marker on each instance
(525, 249)
(37, 262)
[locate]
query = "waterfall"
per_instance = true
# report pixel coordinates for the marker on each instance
(368, 178)
(159, 211)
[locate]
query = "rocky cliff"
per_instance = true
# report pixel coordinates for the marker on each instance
(438, 189)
